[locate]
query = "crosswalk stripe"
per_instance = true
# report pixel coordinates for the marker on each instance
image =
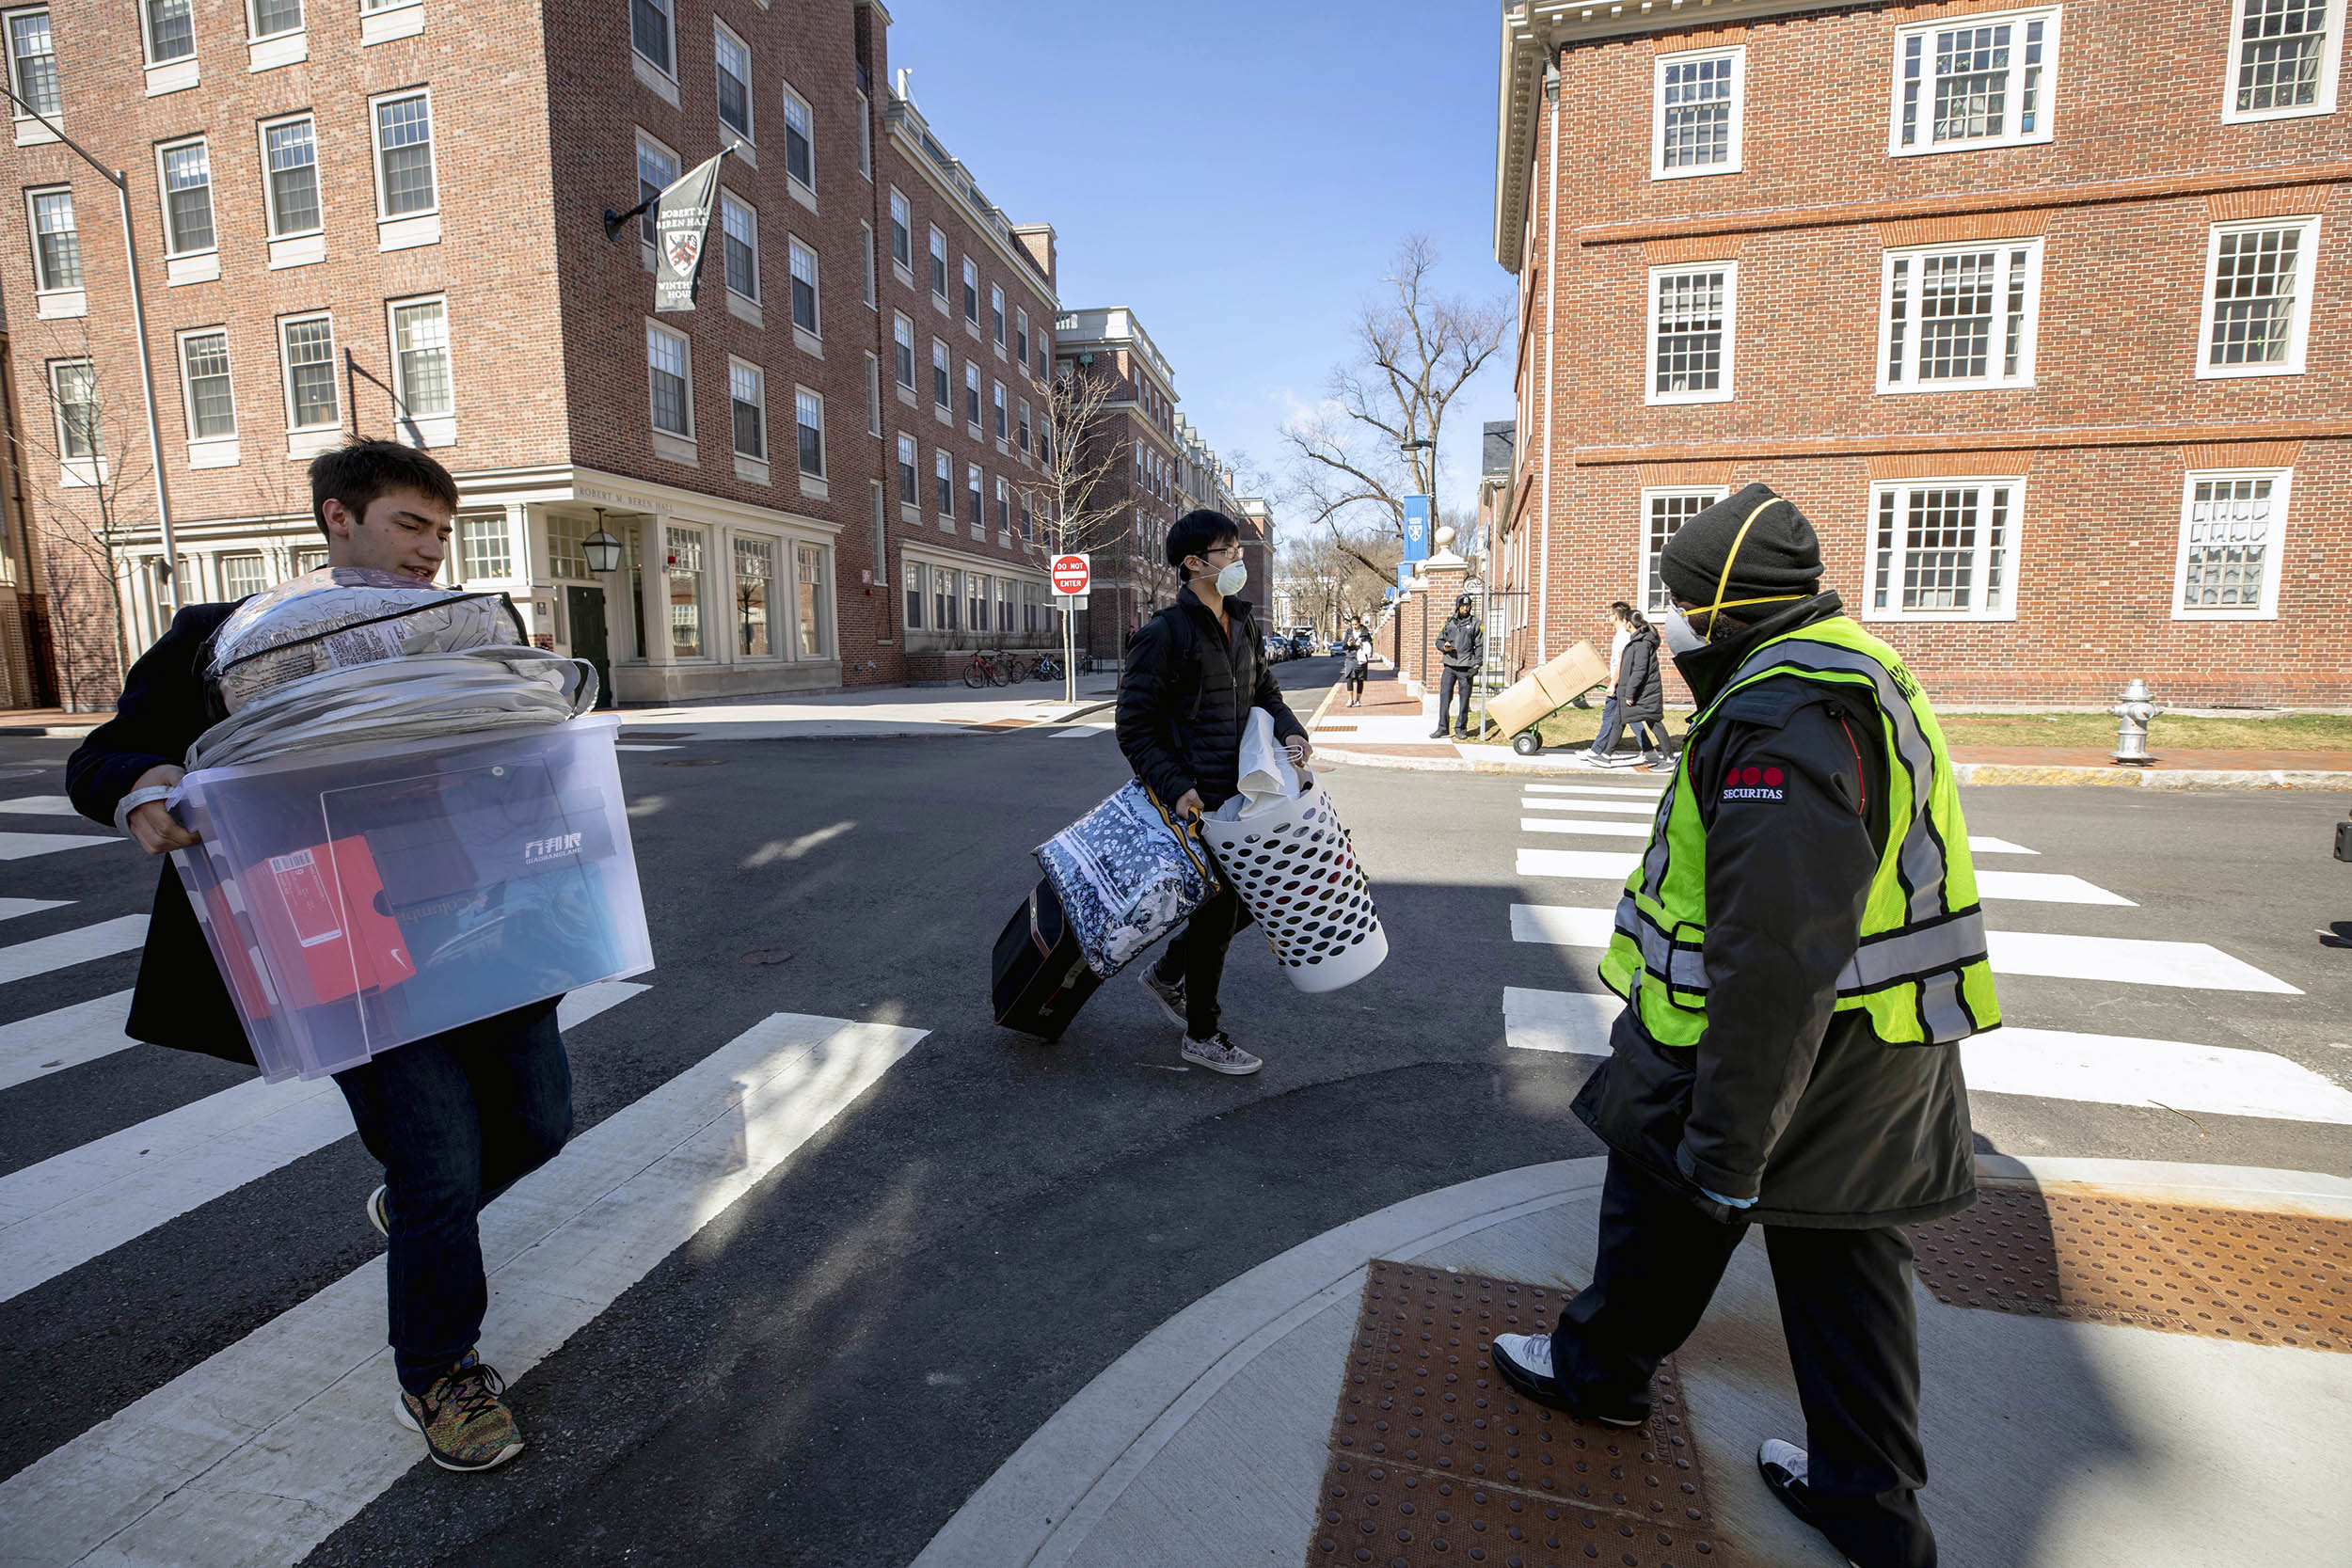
(1573, 1022)
(50, 1043)
(1590, 789)
(2047, 1064)
(259, 1453)
(40, 805)
(1600, 866)
(2046, 887)
(2115, 1070)
(641, 746)
(1077, 729)
(1578, 825)
(63, 1212)
(11, 907)
(17, 846)
(1986, 844)
(2192, 965)
(1620, 808)
(64, 949)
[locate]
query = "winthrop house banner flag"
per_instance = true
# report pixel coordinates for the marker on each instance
(679, 222)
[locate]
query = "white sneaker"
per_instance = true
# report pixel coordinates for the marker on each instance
(1220, 1054)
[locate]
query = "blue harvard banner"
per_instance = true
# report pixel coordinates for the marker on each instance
(1417, 527)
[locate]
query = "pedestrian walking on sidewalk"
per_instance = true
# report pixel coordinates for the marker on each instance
(454, 1118)
(1802, 952)
(1637, 693)
(1461, 643)
(1194, 672)
(1357, 645)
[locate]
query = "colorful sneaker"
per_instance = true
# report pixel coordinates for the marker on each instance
(1220, 1054)
(465, 1424)
(1525, 1362)
(1170, 994)
(380, 1212)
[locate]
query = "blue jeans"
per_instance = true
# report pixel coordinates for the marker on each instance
(1612, 721)
(455, 1119)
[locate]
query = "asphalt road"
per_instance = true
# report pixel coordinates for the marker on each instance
(831, 1365)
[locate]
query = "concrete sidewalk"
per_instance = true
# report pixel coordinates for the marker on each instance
(2053, 1442)
(1392, 730)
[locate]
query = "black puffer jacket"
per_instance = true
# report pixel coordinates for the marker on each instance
(1184, 700)
(1641, 694)
(1785, 1099)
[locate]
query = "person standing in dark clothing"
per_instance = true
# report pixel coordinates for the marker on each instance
(1462, 643)
(1194, 672)
(1357, 645)
(1802, 952)
(454, 1118)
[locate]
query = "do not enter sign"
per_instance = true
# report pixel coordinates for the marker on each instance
(1070, 575)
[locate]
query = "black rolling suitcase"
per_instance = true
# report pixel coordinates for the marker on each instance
(1042, 978)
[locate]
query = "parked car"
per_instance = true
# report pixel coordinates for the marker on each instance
(1302, 643)
(1277, 649)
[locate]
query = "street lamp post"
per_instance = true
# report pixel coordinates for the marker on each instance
(121, 182)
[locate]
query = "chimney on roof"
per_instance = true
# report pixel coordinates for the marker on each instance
(1036, 239)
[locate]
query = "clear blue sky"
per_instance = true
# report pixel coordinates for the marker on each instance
(1239, 173)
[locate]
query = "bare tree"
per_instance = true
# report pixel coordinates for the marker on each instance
(1069, 495)
(96, 445)
(1326, 577)
(1415, 351)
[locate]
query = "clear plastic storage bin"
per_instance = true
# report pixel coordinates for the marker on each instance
(360, 898)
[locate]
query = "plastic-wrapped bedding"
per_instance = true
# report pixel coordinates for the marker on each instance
(417, 696)
(340, 617)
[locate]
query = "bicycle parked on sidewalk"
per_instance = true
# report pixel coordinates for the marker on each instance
(996, 669)
(1047, 667)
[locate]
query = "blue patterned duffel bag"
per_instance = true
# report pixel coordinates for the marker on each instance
(1128, 873)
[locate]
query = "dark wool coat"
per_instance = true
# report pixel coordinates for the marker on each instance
(1186, 697)
(1641, 690)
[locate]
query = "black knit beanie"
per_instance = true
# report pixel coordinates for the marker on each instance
(1780, 554)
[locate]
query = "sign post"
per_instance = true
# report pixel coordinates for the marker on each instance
(1070, 575)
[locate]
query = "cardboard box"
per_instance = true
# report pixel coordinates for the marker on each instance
(1541, 692)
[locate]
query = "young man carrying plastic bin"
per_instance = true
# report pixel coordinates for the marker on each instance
(1194, 672)
(456, 1118)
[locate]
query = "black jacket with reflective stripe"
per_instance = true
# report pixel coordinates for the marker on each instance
(1185, 695)
(1784, 1098)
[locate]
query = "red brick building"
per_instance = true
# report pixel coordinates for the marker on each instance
(2037, 312)
(382, 216)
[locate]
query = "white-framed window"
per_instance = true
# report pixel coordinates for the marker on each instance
(808, 412)
(971, 291)
(204, 385)
(2233, 536)
(1024, 424)
(902, 349)
(271, 18)
(804, 288)
(754, 593)
(1664, 512)
(870, 284)
(916, 577)
(657, 171)
(1944, 549)
(485, 550)
(1959, 316)
(947, 598)
(974, 490)
(651, 33)
(738, 237)
(307, 346)
(568, 548)
(972, 393)
(1698, 100)
(421, 375)
(243, 575)
(289, 171)
(73, 396)
(404, 155)
(169, 29)
(1003, 423)
(1968, 81)
(747, 398)
(1690, 330)
(33, 63)
(1020, 334)
(186, 180)
(669, 364)
(910, 480)
(2283, 58)
(800, 157)
(685, 573)
(977, 584)
(733, 58)
(1004, 509)
(873, 395)
(996, 314)
(57, 238)
(943, 376)
(2258, 289)
(939, 264)
(943, 485)
(811, 592)
(902, 229)
(865, 139)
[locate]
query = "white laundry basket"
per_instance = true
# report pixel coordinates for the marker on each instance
(1292, 864)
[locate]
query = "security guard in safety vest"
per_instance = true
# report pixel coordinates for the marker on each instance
(1801, 952)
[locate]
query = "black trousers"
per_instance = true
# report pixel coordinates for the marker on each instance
(1196, 956)
(1853, 1343)
(1448, 684)
(1356, 673)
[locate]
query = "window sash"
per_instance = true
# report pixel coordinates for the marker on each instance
(57, 240)
(739, 240)
(755, 580)
(685, 573)
(939, 264)
(1960, 316)
(2228, 543)
(2255, 298)
(649, 32)
(1663, 513)
(291, 151)
(1944, 550)
(171, 30)
(901, 231)
(811, 584)
(971, 393)
(1978, 81)
(74, 391)
(311, 391)
(33, 56)
(972, 495)
(483, 548)
(747, 395)
(944, 483)
(2281, 57)
(942, 377)
(903, 342)
(667, 363)
(273, 17)
(1691, 334)
(798, 160)
(656, 171)
(804, 263)
(187, 175)
(734, 63)
(243, 575)
(404, 130)
(204, 373)
(971, 291)
(1698, 113)
(1021, 336)
(808, 412)
(909, 477)
(996, 314)
(420, 355)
